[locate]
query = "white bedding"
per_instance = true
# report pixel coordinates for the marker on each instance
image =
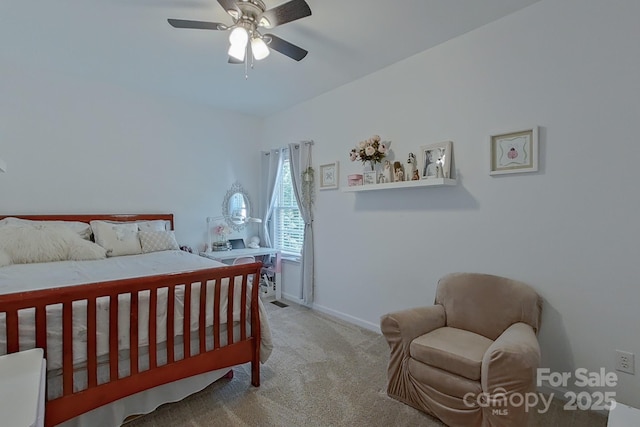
(24, 277)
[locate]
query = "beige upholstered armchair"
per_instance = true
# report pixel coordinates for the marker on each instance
(466, 359)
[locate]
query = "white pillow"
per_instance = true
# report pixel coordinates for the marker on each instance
(117, 239)
(5, 258)
(81, 228)
(44, 243)
(154, 241)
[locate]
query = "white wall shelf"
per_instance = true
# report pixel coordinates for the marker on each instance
(431, 182)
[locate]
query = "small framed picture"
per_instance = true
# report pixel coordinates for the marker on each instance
(369, 177)
(514, 152)
(436, 160)
(329, 176)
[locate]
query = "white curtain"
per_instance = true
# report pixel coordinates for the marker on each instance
(271, 164)
(302, 175)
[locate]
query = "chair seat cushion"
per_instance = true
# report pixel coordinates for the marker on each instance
(454, 350)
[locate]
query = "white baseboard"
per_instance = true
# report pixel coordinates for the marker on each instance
(347, 318)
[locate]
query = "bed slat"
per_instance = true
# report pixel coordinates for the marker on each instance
(12, 331)
(41, 327)
(92, 352)
(230, 310)
(113, 337)
(133, 334)
(171, 303)
(153, 337)
(186, 322)
(67, 347)
(216, 317)
(202, 317)
(243, 310)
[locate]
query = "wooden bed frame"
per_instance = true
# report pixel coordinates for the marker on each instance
(71, 404)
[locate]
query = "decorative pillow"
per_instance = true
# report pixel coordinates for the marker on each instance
(155, 225)
(146, 225)
(24, 244)
(117, 239)
(81, 228)
(154, 241)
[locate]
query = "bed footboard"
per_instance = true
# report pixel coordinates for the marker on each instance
(192, 312)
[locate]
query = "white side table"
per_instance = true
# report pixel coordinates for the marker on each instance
(22, 388)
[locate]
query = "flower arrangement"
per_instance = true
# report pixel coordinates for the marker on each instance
(371, 150)
(221, 230)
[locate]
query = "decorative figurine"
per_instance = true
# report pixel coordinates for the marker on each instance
(254, 242)
(398, 173)
(386, 171)
(411, 167)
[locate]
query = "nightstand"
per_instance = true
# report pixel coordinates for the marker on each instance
(22, 388)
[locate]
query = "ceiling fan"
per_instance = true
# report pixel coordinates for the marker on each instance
(248, 17)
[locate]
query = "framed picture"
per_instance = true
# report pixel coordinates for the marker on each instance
(436, 160)
(514, 152)
(369, 177)
(329, 176)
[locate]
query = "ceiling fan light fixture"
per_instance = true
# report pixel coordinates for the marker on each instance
(237, 51)
(259, 48)
(264, 22)
(239, 36)
(234, 13)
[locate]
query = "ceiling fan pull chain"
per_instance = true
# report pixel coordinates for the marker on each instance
(246, 62)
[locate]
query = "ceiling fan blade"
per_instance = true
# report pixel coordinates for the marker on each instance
(233, 60)
(287, 12)
(198, 25)
(286, 48)
(228, 5)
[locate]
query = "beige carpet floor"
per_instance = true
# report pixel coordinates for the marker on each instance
(322, 372)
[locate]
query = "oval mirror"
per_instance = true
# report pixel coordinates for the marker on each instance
(236, 207)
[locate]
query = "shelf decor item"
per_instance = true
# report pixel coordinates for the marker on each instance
(371, 150)
(329, 176)
(436, 160)
(369, 177)
(354, 180)
(514, 152)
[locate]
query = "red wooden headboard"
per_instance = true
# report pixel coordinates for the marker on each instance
(90, 217)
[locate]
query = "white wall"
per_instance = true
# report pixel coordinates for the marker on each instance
(569, 230)
(75, 146)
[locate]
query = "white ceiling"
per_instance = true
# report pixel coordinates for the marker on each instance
(130, 43)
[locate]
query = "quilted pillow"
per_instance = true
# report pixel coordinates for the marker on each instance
(117, 239)
(154, 225)
(154, 241)
(30, 243)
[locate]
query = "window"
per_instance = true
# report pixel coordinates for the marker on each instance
(288, 226)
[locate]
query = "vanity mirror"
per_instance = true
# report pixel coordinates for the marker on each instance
(236, 208)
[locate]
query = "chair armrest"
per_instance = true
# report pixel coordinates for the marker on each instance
(510, 363)
(402, 327)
